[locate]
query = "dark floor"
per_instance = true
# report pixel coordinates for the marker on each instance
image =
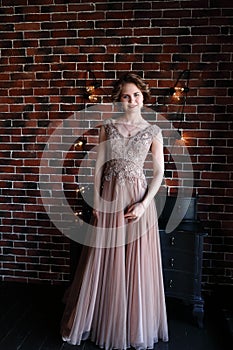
(30, 317)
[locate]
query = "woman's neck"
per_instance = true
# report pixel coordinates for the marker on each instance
(132, 119)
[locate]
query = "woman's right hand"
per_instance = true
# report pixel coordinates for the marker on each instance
(95, 213)
(135, 211)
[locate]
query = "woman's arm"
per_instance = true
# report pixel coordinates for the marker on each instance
(100, 161)
(158, 170)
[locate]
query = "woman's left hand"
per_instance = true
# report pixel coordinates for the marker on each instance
(135, 212)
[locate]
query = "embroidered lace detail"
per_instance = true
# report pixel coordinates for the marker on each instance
(124, 171)
(126, 155)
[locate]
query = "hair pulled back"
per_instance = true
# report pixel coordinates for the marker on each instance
(134, 79)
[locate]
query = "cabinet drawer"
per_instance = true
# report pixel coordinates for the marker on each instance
(180, 284)
(179, 240)
(180, 260)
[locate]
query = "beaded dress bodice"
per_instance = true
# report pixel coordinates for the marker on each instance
(126, 155)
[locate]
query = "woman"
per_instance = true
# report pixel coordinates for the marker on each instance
(117, 296)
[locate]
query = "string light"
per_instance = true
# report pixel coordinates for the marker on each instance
(78, 213)
(91, 88)
(90, 93)
(80, 190)
(80, 144)
(180, 95)
(78, 217)
(178, 91)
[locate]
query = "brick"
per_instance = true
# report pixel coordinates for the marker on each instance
(91, 15)
(219, 3)
(109, 24)
(206, 30)
(81, 7)
(81, 41)
(124, 32)
(27, 26)
(215, 57)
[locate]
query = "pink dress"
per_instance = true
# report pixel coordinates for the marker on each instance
(117, 295)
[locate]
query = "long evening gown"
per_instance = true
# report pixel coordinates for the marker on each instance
(117, 296)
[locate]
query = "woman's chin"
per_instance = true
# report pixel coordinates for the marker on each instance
(133, 110)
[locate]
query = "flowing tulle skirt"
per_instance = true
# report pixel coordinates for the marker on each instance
(117, 295)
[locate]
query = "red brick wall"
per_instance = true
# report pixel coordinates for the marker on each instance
(46, 49)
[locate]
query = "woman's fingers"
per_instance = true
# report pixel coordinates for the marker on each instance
(135, 211)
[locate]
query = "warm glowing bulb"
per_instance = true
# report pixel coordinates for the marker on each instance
(80, 189)
(90, 89)
(93, 98)
(77, 213)
(78, 144)
(178, 93)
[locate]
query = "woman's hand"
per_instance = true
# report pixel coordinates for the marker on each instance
(95, 214)
(135, 212)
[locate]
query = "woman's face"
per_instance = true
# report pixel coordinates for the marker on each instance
(131, 97)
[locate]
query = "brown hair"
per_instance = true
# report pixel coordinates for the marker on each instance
(130, 78)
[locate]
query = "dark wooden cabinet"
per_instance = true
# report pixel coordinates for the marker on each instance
(182, 251)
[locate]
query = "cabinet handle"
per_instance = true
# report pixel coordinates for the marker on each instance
(170, 283)
(172, 260)
(172, 241)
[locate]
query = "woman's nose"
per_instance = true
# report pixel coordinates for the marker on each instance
(131, 99)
